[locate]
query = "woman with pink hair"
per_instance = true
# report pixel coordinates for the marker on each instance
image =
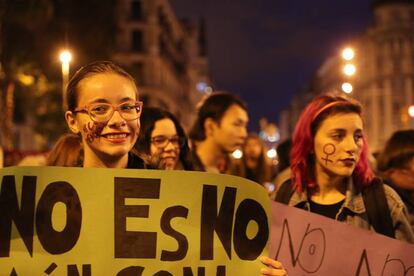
(331, 175)
(330, 170)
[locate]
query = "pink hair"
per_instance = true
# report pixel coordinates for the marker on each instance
(301, 158)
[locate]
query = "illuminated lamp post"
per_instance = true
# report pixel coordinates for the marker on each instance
(349, 69)
(65, 57)
(411, 114)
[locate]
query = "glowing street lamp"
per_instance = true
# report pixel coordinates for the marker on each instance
(271, 153)
(349, 69)
(411, 111)
(237, 154)
(65, 57)
(347, 87)
(348, 54)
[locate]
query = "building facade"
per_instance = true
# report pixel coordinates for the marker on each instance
(167, 56)
(384, 80)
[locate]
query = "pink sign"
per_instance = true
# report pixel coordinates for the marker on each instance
(309, 244)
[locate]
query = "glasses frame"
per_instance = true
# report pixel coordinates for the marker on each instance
(86, 109)
(181, 141)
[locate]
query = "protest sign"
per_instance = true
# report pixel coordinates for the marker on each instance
(309, 244)
(75, 221)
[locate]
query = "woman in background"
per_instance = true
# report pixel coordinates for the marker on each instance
(162, 142)
(254, 164)
(396, 167)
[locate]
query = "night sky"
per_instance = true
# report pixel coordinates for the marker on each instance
(265, 50)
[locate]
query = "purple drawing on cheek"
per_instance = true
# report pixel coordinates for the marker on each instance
(93, 130)
(328, 149)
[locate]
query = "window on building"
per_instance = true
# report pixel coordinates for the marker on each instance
(163, 22)
(137, 41)
(396, 17)
(137, 71)
(398, 86)
(379, 64)
(161, 45)
(136, 10)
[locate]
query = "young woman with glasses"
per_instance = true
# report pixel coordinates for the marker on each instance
(103, 108)
(162, 141)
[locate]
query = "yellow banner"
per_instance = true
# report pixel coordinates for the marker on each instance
(74, 221)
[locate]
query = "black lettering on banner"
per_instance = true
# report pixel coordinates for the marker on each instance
(221, 270)
(131, 271)
(13, 272)
(201, 271)
(163, 273)
(187, 271)
(167, 216)
(23, 218)
(134, 244)
(221, 223)
(50, 268)
(314, 240)
(58, 242)
(73, 270)
(395, 267)
(363, 261)
(250, 249)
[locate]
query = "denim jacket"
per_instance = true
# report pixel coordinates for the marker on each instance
(353, 210)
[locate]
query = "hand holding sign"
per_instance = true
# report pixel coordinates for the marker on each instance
(274, 267)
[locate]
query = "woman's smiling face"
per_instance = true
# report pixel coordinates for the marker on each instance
(167, 152)
(112, 139)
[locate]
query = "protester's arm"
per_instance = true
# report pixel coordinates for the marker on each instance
(273, 267)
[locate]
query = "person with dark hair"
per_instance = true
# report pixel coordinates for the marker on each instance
(103, 108)
(220, 128)
(162, 141)
(254, 164)
(283, 165)
(67, 152)
(331, 175)
(396, 166)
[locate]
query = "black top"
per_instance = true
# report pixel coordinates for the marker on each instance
(134, 162)
(327, 210)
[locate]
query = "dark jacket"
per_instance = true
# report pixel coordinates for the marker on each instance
(353, 211)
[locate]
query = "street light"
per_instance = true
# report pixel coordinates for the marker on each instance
(347, 87)
(348, 54)
(349, 69)
(237, 154)
(65, 57)
(411, 114)
(411, 111)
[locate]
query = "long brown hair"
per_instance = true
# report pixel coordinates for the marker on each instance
(67, 152)
(262, 171)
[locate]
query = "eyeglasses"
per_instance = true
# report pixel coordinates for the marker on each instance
(102, 112)
(162, 141)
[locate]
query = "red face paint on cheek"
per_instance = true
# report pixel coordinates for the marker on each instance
(93, 130)
(328, 149)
